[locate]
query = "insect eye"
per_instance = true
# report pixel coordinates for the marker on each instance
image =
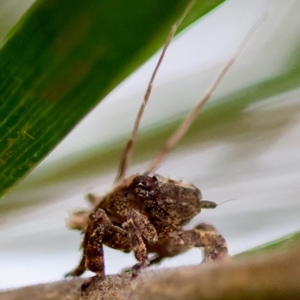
(143, 185)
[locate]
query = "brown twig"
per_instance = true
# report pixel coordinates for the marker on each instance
(262, 276)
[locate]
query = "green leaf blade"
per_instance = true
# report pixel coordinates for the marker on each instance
(61, 58)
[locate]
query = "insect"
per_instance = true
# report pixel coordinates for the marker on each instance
(145, 213)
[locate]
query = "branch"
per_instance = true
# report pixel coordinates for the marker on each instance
(264, 276)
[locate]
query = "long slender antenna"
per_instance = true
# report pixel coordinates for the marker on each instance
(229, 200)
(186, 123)
(127, 152)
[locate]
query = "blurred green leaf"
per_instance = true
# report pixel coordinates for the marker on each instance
(284, 243)
(62, 58)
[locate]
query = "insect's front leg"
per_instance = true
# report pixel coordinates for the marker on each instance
(207, 237)
(104, 233)
(140, 228)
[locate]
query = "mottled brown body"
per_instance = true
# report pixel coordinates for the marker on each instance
(146, 215)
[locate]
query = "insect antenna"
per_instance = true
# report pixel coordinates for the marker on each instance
(186, 123)
(207, 204)
(229, 200)
(127, 152)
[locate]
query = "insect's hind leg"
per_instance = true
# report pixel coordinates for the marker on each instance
(156, 260)
(206, 236)
(79, 270)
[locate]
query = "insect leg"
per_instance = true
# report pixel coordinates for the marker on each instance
(94, 256)
(205, 236)
(156, 260)
(79, 270)
(104, 233)
(109, 235)
(138, 246)
(145, 227)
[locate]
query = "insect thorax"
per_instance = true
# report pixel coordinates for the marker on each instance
(155, 196)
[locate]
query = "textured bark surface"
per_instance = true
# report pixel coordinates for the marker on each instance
(269, 276)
